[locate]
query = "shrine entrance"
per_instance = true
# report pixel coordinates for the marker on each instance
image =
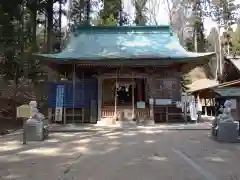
(123, 96)
(126, 90)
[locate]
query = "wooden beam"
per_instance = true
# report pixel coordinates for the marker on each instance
(133, 98)
(111, 75)
(115, 101)
(99, 98)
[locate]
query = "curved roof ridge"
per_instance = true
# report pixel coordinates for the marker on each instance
(161, 28)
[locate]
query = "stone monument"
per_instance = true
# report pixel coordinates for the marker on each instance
(35, 128)
(225, 129)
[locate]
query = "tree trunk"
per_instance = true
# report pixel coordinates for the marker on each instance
(34, 26)
(14, 96)
(121, 14)
(49, 10)
(88, 9)
(60, 24)
(140, 17)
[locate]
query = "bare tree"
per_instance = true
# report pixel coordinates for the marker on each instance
(140, 11)
(179, 14)
(153, 8)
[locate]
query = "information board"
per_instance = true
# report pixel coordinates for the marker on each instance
(59, 103)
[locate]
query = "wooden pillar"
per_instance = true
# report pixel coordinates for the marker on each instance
(151, 113)
(133, 98)
(214, 104)
(211, 105)
(73, 92)
(64, 108)
(64, 116)
(50, 114)
(100, 80)
(146, 89)
(83, 99)
(115, 101)
(166, 114)
(205, 108)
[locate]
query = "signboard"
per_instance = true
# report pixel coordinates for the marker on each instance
(163, 101)
(141, 104)
(23, 111)
(187, 98)
(234, 103)
(59, 103)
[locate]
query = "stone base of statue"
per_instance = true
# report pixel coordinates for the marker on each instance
(35, 130)
(224, 128)
(228, 131)
(126, 123)
(148, 122)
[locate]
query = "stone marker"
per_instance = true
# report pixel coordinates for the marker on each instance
(228, 132)
(34, 128)
(224, 128)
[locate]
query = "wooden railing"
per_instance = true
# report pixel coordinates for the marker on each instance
(142, 113)
(109, 112)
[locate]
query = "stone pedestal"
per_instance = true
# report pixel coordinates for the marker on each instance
(106, 122)
(228, 132)
(36, 127)
(126, 123)
(34, 130)
(149, 122)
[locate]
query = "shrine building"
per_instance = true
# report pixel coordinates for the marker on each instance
(112, 74)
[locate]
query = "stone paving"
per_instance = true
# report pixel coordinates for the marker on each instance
(141, 154)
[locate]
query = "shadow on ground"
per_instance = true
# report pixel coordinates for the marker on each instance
(56, 157)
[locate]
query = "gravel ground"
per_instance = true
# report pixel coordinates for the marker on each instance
(142, 154)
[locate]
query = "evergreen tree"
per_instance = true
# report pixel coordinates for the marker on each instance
(11, 45)
(110, 13)
(80, 12)
(198, 27)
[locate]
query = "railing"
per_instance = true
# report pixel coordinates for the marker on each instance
(109, 112)
(142, 113)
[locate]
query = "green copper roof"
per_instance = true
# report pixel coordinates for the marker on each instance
(228, 92)
(138, 42)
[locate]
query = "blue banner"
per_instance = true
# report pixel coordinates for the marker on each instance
(59, 96)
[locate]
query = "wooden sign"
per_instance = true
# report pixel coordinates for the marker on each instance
(59, 103)
(23, 111)
(141, 105)
(163, 101)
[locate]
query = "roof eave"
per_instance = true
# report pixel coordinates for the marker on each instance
(67, 60)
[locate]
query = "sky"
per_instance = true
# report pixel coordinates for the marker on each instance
(161, 13)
